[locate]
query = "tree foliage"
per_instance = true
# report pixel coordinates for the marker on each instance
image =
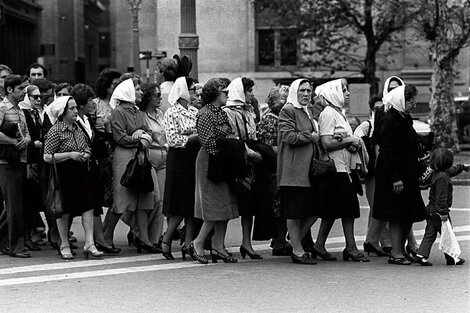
(446, 25)
(347, 34)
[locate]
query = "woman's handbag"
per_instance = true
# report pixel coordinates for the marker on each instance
(138, 177)
(319, 167)
(54, 201)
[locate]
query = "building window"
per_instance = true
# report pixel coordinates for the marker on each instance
(276, 48)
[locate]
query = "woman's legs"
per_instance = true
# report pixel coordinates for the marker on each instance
(293, 227)
(141, 218)
(218, 240)
(63, 229)
(87, 222)
(173, 222)
(201, 237)
(247, 227)
(98, 232)
(348, 230)
(190, 224)
(323, 232)
(398, 237)
(412, 243)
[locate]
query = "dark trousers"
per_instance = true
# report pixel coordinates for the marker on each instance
(433, 227)
(11, 219)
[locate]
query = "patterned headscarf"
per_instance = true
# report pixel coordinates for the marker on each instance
(333, 92)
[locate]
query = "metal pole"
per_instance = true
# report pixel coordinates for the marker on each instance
(135, 31)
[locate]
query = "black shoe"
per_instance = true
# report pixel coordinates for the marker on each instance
(387, 250)
(140, 245)
(105, 249)
(411, 252)
(422, 260)
(452, 262)
(356, 258)
(398, 261)
(304, 259)
(200, 258)
(130, 238)
(167, 255)
(244, 252)
(22, 255)
(73, 246)
(220, 256)
(324, 256)
(4, 250)
(284, 251)
(185, 251)
(369, 247)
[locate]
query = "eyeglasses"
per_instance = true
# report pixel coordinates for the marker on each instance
(192, 89)
(62, 94)
(36, 97)
(158, 95)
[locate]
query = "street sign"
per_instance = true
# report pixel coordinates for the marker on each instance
(160, 55)
(145, 55)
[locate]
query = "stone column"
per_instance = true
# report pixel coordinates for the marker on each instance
(188, 41)
(134, 6)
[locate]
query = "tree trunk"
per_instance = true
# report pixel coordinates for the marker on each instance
(369, 72)
(442, 103)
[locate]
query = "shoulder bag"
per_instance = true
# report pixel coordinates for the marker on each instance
(54, 200)
(319, 167)
(138, 177)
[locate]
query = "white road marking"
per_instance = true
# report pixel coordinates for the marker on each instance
(116, 271)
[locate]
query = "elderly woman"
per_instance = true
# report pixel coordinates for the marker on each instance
(157, 153)
(130, 130)
(338, 139)
(241, 117)
(268, 134)
(67, 145)
(183, 142)
(397, 194)
(295, 145)
(215, 199)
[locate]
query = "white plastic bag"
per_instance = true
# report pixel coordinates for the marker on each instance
(449, 243)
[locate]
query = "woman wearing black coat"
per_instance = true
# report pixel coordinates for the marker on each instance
(397, 196)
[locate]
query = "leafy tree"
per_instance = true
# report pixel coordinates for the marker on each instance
(446, 25)
(346, 33)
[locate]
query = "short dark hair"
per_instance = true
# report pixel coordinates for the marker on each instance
(37, 65)
(104, 81)
(13, 80)
(410, 92)
(43, 84)
(81, 93)
(61, 86)
(169, 68)
(441, 159)
(373, 100)
(247, 83)
(394, 79)
(211, 89)
(148, 90)
(225, 80)
(189, 81)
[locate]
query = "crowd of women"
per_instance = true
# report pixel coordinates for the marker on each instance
(214, 159)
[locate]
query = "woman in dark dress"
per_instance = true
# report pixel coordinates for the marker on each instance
(68, 145)
(397, 195)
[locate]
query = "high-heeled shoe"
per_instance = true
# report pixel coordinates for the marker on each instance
(167, 255)
(422, 260)
(106, 249)
(398, 261)
(244, 252)
(452, 262)
(130, 238)
(304, 259)
(65, 253)
(149, 248)
(369, 247)
(223, 257)
(92, 251)
(185, 251)
(200, 258)
(387, 250)
(356, 258)
(324, 256)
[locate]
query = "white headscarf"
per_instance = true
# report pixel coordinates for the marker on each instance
(333, 92)
(396, 99)
(56, 108)
(26, 103)
(179, 90)
(292, 97)
(236, 93)
(125, 91)
(386, 86)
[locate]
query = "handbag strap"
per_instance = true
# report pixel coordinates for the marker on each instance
(54, 168)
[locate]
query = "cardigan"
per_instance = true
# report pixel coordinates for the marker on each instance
(295, 146)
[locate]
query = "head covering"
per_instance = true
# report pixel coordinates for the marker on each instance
(395, 99)
(125, 91)
(386, 86)
(26, 103)
(56, 108)
(236, 94)
(179, 90)
(333, 92)
(293, 90)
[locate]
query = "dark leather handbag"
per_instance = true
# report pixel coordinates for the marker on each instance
(319, 167)
(9, 152)
(138, 177)
(54, 200)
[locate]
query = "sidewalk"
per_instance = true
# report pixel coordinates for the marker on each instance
(464, 177)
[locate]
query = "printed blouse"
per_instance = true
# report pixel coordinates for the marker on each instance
(63, 137)
(212, 124)
(179, 124)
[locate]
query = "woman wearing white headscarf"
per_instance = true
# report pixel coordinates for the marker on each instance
(180, 182)
(297, 136)
(130, 130)
(67, 144)
(397, 194)
(338, 139)
(241, 117)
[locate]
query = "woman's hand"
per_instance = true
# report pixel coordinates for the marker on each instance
(38, 144)
(398, 187)
(23, 144)
(315, 137)
(137, 134)
(444, 217)
(77, 156)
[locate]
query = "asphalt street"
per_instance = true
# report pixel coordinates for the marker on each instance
(132, 282)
